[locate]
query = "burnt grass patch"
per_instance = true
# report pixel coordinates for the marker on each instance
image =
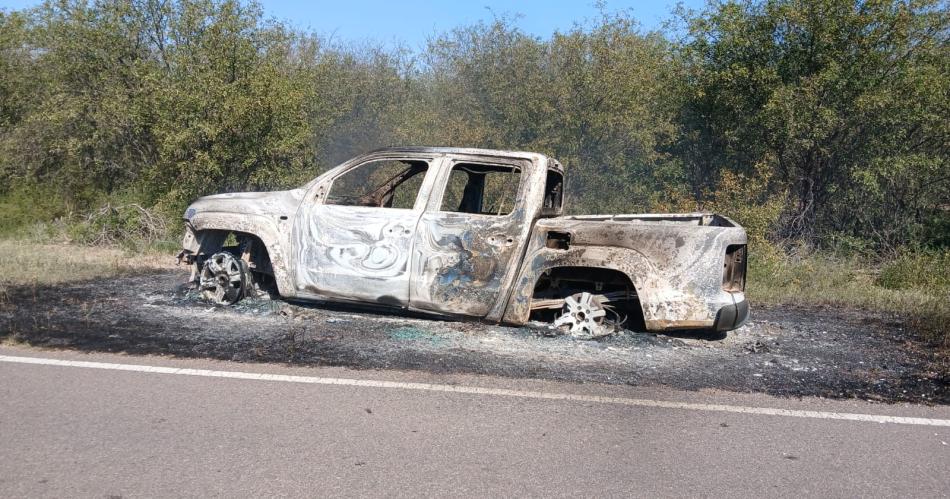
(783, 351)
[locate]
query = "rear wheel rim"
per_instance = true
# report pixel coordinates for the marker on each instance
(582, 316)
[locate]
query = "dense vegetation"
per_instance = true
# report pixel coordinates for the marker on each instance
(821, 125)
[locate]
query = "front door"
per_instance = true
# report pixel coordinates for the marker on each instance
(356, 241)
(470, 239)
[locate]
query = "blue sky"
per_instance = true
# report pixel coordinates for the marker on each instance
(412, 21)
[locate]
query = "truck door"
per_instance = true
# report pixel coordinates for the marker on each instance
(472, 236)
(355, 241)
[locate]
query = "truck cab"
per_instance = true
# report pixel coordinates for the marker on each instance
(437, 230)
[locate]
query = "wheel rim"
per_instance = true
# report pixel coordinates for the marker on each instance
(582, 316)
(223, 279)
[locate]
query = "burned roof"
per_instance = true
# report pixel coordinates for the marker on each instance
(454, 150)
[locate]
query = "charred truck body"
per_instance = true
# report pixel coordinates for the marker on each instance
(472, 233)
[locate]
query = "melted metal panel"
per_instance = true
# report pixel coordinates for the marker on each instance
(676, 268)
(356, 253)
(267, 215)
(464, 263)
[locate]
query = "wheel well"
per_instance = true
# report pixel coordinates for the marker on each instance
(243, 245)
(561, 282)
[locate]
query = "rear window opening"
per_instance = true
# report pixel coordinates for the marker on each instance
(481, 189)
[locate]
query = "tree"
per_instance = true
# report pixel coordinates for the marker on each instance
(843, 99)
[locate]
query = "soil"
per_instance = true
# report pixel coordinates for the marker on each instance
(787, 351)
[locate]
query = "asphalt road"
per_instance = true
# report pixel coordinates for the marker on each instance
(73, 431)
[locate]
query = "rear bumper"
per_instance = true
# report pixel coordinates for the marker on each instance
(734, 315)
(726, 312)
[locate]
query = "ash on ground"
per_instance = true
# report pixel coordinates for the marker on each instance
(781, 351)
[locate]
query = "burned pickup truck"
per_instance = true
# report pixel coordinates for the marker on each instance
(468, 233)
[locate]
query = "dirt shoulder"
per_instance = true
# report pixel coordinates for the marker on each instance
(785, 351)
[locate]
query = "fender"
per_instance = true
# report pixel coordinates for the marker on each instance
(268, 229)
(658, 300)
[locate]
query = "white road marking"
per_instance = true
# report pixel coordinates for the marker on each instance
(475, 390)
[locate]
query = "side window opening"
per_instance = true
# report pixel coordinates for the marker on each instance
(553, 194)
(481, 189)
(380, 184)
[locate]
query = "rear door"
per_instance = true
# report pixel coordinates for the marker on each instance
(356, 240)
(472, 235)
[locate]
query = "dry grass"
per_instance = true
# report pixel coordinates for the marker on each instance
(844, 282)
(24, 262)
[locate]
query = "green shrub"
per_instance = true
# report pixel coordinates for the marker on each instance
(914, 285)
(24, 206)
(929, 271)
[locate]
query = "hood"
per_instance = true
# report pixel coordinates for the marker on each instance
(248, 203)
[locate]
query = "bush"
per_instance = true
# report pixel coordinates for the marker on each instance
(26, 205)
(128, 225)
(928, 271)
(914, 286)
